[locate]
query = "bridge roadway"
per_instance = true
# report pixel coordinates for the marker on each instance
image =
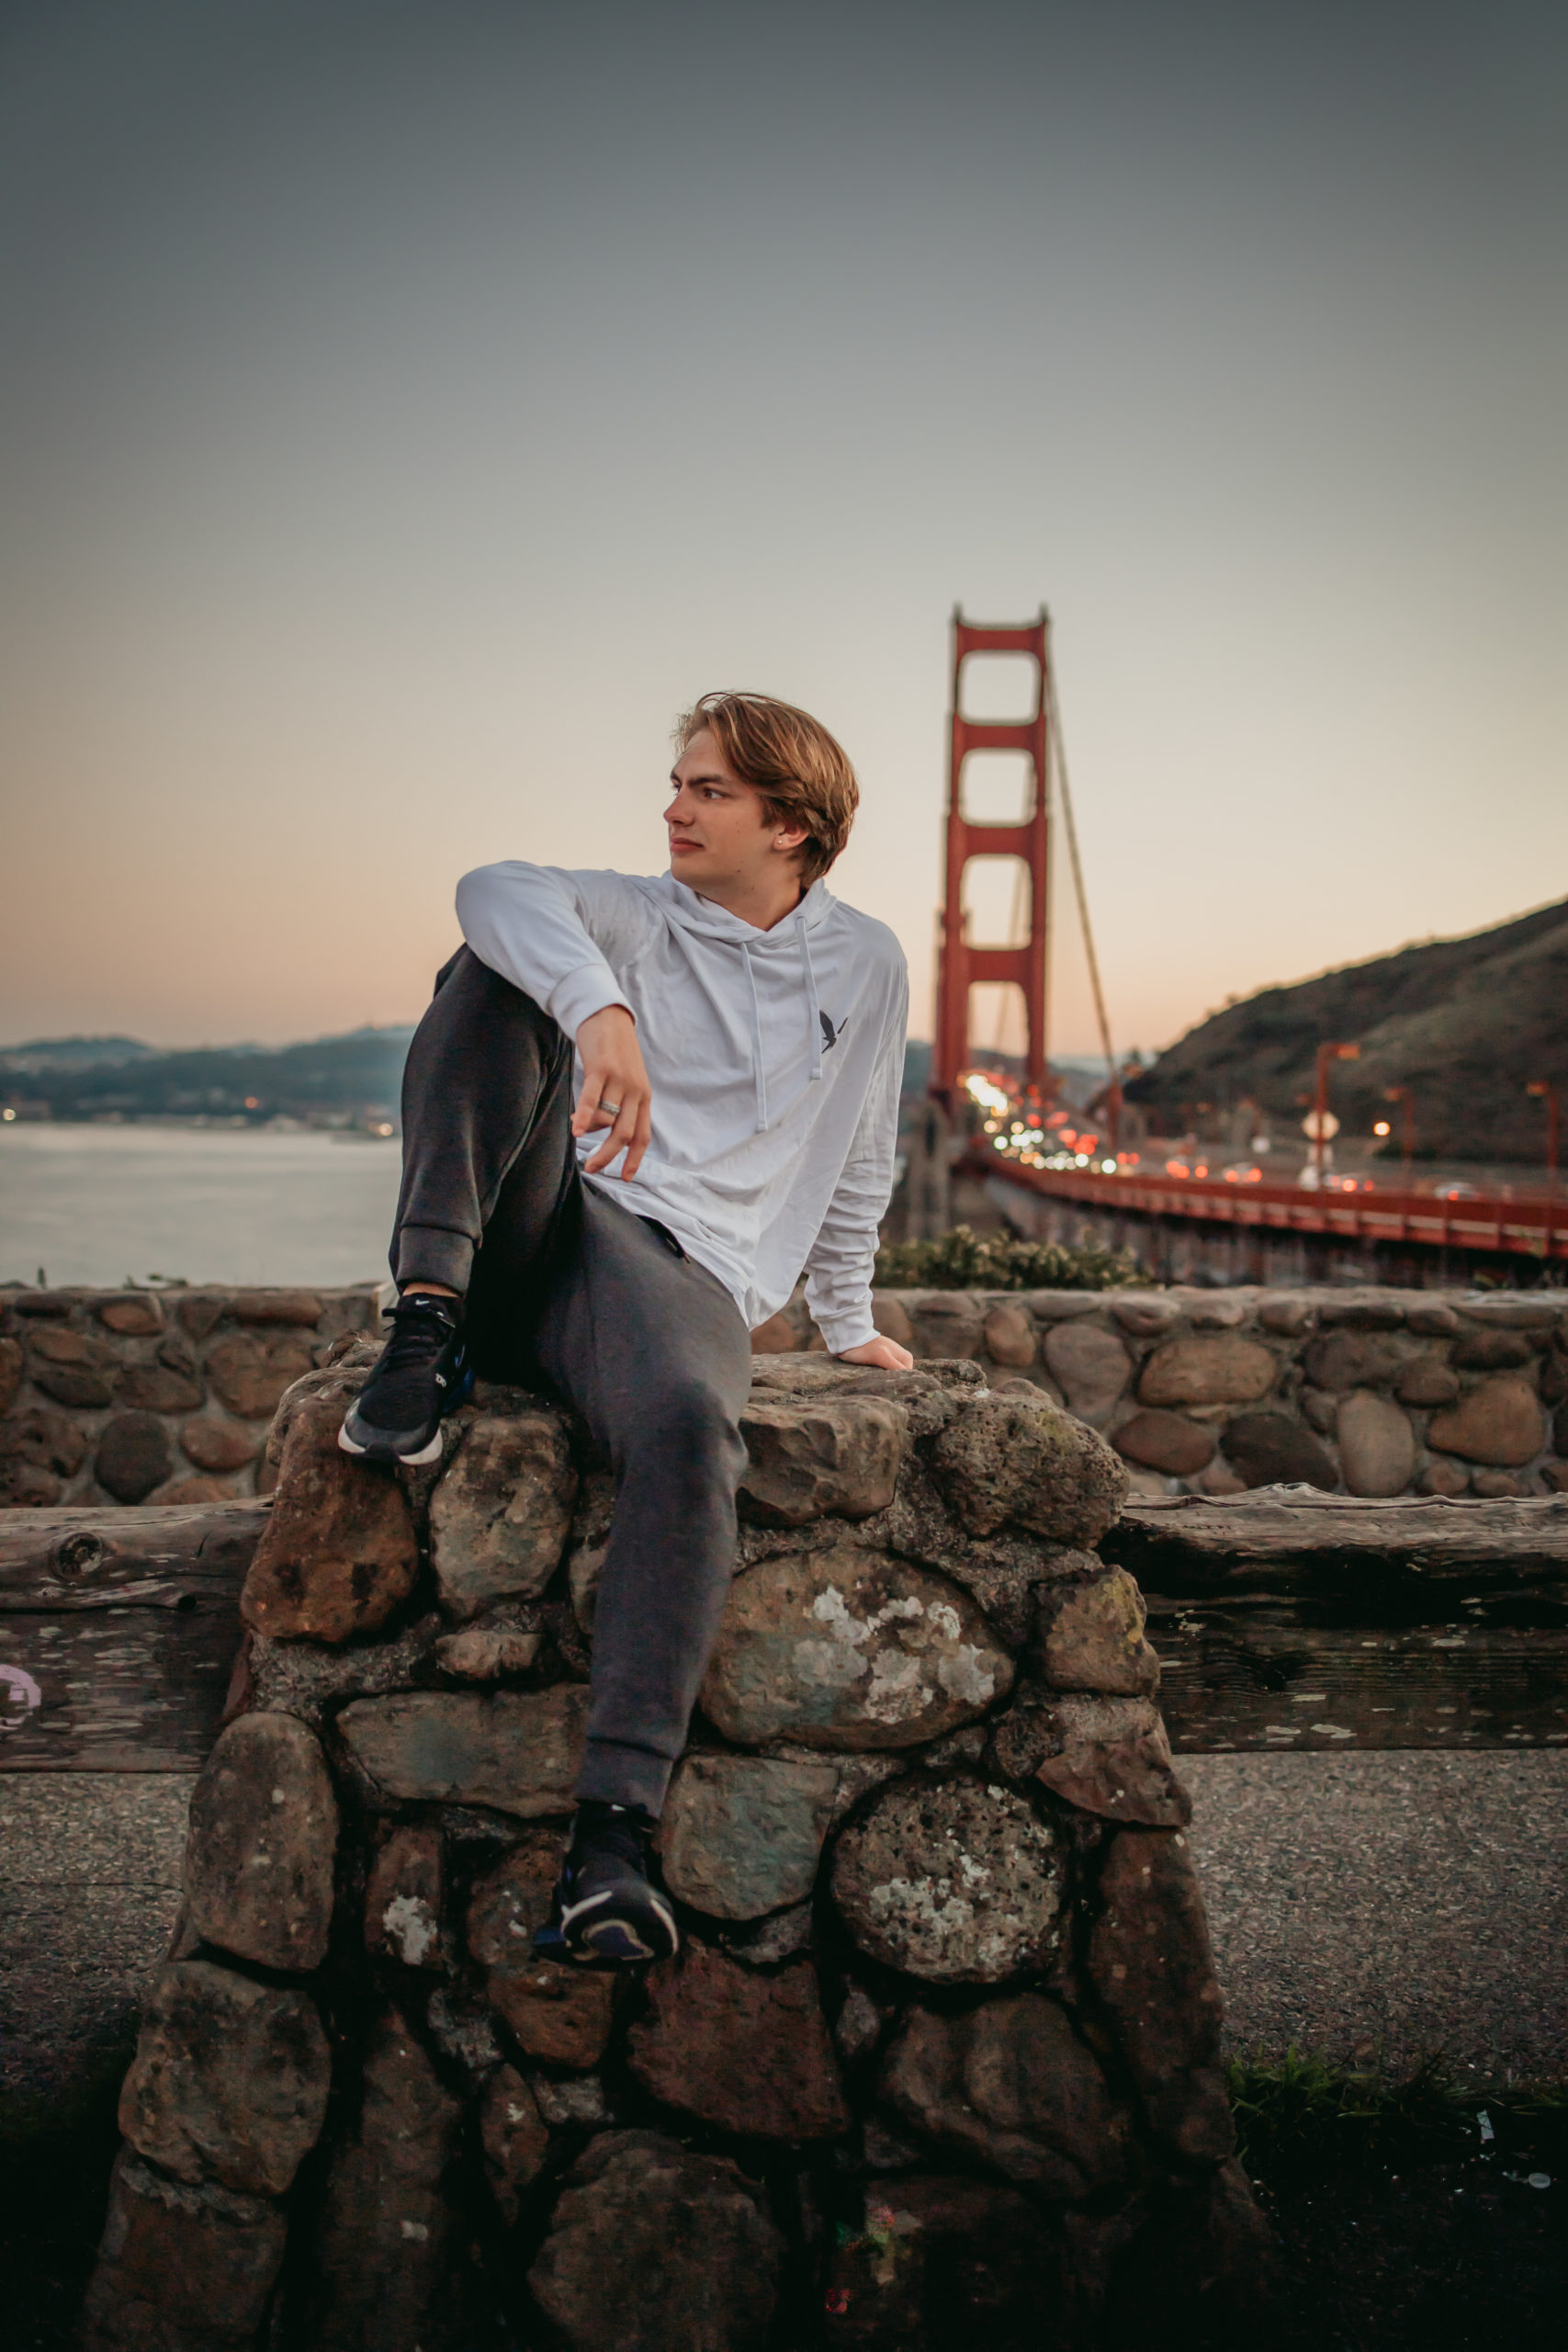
(1533, 1227)
(1411, 1900)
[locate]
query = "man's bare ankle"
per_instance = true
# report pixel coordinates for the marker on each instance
(427, 1290)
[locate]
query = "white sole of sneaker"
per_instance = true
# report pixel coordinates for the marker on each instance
(427, 1453)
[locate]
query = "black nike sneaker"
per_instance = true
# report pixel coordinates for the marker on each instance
(606, 1913)
(423, 1374)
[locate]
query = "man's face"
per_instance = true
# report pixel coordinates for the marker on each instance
(720, 836)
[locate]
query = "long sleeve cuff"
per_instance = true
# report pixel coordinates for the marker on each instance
(582, 993)
(851, 1328)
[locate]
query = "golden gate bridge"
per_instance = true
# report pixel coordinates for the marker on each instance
(1013, 1122)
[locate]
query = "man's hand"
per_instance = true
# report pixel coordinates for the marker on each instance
(615, 1091)
(887, 1354)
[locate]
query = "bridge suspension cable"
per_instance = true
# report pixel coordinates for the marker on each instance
(1058, 756)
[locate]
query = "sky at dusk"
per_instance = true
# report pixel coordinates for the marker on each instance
(406, 409)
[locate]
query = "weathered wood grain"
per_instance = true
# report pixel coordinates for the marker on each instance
(1285, 1620)
(1187, 1543)
(1236, 1680)
(82, 1558)
(118, 1631)
(117, 1690)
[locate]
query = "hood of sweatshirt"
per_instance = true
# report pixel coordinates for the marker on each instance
(764, 961)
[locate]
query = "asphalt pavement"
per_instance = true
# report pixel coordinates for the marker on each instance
(1404, 1904)
(89, 1885)
(1396, 1904)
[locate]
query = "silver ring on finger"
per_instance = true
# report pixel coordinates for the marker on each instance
(613, 1108)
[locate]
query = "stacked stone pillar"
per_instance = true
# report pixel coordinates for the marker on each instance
(939, 2061)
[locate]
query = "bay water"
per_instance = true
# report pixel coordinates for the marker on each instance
(105, 1204)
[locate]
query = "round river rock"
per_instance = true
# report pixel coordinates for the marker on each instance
(1227, 1371)
(850, 1649)
(957, 1881)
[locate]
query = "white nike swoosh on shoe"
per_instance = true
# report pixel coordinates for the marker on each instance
(617, 1940)
(572, 1912)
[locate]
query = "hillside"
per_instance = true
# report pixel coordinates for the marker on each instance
(73, 1052)
(358, 1072)
(1463, 1023)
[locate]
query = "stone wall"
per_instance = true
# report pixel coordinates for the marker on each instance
(1362, 1392)
(153, 1396)
(164, 1397)
(939, 2062)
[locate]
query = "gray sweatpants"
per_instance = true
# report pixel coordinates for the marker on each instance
(647, 1346)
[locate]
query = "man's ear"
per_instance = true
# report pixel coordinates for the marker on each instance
(790, 837)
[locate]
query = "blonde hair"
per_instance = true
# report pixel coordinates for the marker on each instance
(790, 758)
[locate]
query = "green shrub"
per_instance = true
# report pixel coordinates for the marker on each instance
(963, 1260)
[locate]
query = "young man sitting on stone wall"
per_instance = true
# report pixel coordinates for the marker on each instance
(740, 1034)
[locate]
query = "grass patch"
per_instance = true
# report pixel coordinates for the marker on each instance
(965, 1260)
(1298, 2117)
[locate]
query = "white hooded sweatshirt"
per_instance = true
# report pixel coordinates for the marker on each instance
(776, 1059)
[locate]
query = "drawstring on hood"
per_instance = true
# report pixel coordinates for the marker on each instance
(813, 1010)
(693, 913)
(813, 1016)
(758, 1075)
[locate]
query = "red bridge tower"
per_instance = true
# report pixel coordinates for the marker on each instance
(962, 966)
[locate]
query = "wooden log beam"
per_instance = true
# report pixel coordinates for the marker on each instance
(118, 1631)
(1190, 1543)
(1239, 1681)
(1287, 1618)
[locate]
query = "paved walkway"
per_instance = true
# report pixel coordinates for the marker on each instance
(89, 1884)
(1413, 1901)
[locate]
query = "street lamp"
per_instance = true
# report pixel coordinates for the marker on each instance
(1326, 1054)
(1548, 1093)
(1407, 1124)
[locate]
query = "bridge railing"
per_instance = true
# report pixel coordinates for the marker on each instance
(1536, 1229)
